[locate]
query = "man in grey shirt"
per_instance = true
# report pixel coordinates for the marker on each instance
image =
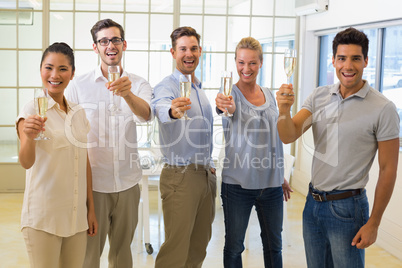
(350, 121)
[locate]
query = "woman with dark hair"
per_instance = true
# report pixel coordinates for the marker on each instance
(58, 209)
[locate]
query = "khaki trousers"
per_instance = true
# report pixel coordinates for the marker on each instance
(188, 203)
(46, 250)
(117, 215)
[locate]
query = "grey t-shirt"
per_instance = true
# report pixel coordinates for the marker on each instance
(346, 134)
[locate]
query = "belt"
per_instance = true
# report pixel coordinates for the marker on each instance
(331, 197)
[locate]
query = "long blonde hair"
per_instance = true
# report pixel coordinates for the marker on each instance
(250, 43)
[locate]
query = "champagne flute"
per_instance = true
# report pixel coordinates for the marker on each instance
(185, 90)
(226, 88)
(290, 65)
(113, 75)
(40, 103)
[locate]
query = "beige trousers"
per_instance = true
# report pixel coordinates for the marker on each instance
(188, 202)
(46, 250)
(117, 215)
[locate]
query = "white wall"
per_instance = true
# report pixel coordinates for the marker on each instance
(344, 13)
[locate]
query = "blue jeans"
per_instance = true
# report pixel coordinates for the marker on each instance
(329, 228)
(237, 205)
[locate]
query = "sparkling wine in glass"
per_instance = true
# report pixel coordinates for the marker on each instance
(226, 88)
(40, 103)
(290, 63)
(185, 90)
(113, 75)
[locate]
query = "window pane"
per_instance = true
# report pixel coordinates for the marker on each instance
(214, 64)
(161, 28)
(284, 30)
(9, 4)
(285, 8)
(190, 6)
(8, 27)
(112, 5)
(137, 63)
(8, 106)
(29, 74)
(137, 37)
(160, 66)
(36, 5)
(194, 21)
(263, 7)
(239, 7)
(60, 27)
(238, 28)
(117, 17)
(165, 6)
(87, 5)
(25, 95)
(215, 6)
(137, 5)
(83, 24)
(392, 70)
(392, 59)
(327, 71)
(30, 36)
(370, 70)
(265, 76)
(61, 5)
(8, 71)
(261, 28)
(214, 33)
(85, 61)
(8, 145)
(279, 73)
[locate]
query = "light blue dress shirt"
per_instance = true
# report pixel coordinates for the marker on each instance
(183, 142)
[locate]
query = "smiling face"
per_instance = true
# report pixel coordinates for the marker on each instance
(187, 54)
(110, 54)
(349, 64)
(248, 64)
(56, 72)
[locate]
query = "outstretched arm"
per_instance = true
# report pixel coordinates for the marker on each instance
(122, 87)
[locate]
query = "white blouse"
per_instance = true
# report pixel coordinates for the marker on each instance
(56, 187)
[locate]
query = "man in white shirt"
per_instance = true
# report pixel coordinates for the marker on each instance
(112, 144)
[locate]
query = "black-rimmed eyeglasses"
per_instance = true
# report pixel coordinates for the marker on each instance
(115, 41)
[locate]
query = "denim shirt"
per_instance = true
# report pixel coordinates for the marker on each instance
(183, 142)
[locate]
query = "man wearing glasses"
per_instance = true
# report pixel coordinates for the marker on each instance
(112, 144)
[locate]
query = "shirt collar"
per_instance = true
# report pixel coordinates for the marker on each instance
(177, 73)
(52, 103)
(362, 93)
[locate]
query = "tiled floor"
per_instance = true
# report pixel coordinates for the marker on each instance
(13, 253)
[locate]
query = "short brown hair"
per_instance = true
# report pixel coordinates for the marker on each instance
(104, 24)
(250, 43)
(184, 31)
